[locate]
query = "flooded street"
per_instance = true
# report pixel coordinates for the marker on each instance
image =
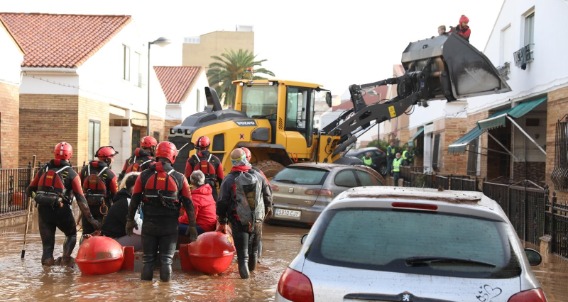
(27, 280)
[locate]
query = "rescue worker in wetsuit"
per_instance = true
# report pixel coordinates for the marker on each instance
(208, 163)
(99, 202)
(162, 190)
(142, 156)
(58, 214)
(246, 236)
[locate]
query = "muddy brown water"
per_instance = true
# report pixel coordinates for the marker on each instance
(27, 280)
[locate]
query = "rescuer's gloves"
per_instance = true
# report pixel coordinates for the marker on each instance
(95, 223)
(192, 233)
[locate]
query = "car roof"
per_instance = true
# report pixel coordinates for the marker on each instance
(459, 202)
(364, 150)
(326, 166)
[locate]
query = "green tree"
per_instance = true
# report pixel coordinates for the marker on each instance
(234, 65)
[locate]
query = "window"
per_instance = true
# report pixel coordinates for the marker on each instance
(506, 46)
(302, 176)
(366, 179)
(300, 104)
(529, 29)
(389, 242)
(136, 77)
(260, 101)
(94, 138)
(125, 62)
(345, 178)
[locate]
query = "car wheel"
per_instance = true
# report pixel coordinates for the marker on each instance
(383, 169)
(269, 167)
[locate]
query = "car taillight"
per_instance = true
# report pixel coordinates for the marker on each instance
(295, 286)
(319, 192)
(274, 188)
(412, 205)
(533, 295)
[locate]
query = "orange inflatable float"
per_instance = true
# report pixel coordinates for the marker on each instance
(99, 255)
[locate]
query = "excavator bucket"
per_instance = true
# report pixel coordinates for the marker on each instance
(456, 66)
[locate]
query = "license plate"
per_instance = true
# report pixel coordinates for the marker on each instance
(287, 213)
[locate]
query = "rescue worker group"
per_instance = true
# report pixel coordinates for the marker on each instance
(151, 206)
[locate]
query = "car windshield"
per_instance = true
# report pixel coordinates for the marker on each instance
(303, 176)
(415, 242)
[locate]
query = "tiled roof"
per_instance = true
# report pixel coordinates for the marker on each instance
(54, 40)
(379, 95)
(176, 81)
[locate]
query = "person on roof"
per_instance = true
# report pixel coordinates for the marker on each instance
(53, 188)
(141, 158)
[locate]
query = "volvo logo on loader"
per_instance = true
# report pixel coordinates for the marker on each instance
(245, 123)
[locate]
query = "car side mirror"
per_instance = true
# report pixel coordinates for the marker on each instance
(533, 256)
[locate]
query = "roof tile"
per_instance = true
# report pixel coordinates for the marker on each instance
(176, 81)
(61, 40)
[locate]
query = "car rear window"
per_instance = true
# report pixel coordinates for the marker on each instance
(388, 240)
(302, 176)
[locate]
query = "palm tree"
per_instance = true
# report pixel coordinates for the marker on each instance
(233, 65)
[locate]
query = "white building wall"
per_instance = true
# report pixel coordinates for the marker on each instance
(548, 71)
(10, 60)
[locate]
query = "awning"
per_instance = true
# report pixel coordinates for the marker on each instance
(498, 119)
(417, 134)
(495, 120)
(459, 145)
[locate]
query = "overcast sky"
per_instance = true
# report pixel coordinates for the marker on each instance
(334, 43)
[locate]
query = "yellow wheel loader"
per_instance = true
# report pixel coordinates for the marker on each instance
(275, 118)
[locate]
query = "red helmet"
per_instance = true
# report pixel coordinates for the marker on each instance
(106, 152)
(203, 142)
(148, 142)
(167, 150)
(247, 153)
(63, 151)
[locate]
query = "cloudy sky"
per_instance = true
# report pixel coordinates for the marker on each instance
(334, 43)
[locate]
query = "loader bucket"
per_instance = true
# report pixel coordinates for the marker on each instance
(468, 72)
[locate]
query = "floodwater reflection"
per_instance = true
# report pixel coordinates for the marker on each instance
(27, 280)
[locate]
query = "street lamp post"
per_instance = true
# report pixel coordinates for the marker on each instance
(161, 41)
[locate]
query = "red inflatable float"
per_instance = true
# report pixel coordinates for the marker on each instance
(212, 252)
(99, 255)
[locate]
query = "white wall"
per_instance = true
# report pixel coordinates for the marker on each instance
(11, 57)
(548, 71)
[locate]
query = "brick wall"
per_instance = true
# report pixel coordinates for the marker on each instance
(9, 126)
(46, 120)
(453, 163)
(90, 110)
(169, 124)
(557, 108)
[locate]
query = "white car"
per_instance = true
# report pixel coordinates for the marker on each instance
(411, 244)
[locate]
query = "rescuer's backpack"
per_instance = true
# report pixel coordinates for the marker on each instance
(248, 195)
(162, 188)
(206, 166)
(138, 164)
(94, 187)
(51, 188)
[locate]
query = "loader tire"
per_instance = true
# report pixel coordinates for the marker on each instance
(269, 167)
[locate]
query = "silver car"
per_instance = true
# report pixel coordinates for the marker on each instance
(411, 244)
(301, 191)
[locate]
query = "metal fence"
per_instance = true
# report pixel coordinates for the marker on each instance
(13, 184)
(529, 206)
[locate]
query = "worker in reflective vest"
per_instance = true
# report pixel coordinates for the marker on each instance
(396, 163)
(367, 159)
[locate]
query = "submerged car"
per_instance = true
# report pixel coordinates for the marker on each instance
(301, 191)
(411, 244)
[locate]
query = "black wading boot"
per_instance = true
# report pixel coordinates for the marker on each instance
(165, 272)
(243, 267)
(252, 261)
(68, 246)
